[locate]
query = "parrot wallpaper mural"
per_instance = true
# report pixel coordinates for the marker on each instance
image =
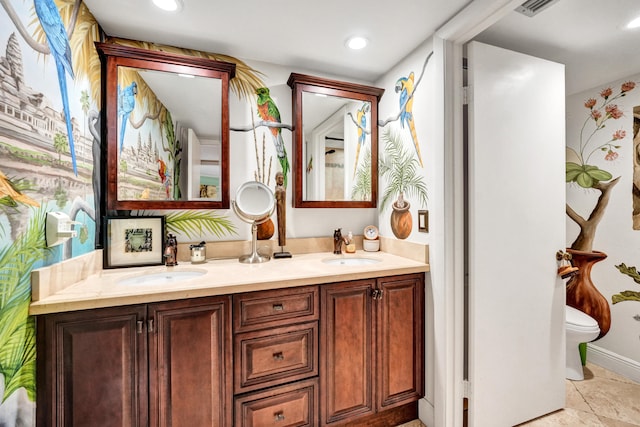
(49, 132)
(60, 50)
(126, 104)
(149, 152)
(401, 169)
(405, 86)
(50, 157)
(268, 111)
(50, 79)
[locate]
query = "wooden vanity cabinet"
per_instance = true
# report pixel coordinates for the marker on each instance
(371, 350)
(347, 353)
(160, 364)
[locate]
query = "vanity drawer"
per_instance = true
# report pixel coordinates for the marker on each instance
(266, 309)
(290, 405)
(275, 356)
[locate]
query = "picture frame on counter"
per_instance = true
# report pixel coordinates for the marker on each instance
(134, 241)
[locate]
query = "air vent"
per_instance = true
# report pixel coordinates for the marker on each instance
(533, 7)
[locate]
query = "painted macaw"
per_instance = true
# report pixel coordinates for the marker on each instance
(361, 119)
(268, 111)
(126, 104)
(405, 86)
(56, 33)
(165, 177)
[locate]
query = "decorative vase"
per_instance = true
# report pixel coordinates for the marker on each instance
(401, 222)
(582, 293)
(265, 230)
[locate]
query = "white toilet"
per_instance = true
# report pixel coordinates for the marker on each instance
(580, 328)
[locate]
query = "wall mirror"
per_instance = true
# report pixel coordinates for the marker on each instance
(335, 143)
(166, 128)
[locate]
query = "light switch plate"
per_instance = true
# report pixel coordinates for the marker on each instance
(423, 221)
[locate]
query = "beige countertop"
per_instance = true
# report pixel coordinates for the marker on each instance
(104, 288)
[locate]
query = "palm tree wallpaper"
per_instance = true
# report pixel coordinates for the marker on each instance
(50, 151)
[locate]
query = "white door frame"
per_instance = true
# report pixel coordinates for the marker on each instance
(447, 258)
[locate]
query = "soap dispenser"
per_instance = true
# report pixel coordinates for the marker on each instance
(351, 245)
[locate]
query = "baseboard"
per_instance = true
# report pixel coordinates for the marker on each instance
(426, 412)
(613, 362)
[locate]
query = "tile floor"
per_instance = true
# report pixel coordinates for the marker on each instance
(603, 399)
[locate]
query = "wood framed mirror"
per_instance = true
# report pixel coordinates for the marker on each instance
(166, 127)
(335, 143)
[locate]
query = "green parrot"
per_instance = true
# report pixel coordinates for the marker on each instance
(268, 111)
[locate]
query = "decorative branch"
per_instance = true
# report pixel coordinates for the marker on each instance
(255, 146)
(584, 241)
(264, 123)
(74, 18)
(38, 47)
(149, 116)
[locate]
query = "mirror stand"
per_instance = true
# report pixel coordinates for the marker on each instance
(254, 257)
(254, 204)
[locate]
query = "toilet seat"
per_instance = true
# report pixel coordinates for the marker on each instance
(578, 321)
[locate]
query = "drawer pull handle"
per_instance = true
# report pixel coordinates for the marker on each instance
(278, 307)
(278, 356)
(279, 416)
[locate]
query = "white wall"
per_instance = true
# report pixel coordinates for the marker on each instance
(614, 235)
(429, 135)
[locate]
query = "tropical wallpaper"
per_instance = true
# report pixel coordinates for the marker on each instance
(49, 132)
(50, 147)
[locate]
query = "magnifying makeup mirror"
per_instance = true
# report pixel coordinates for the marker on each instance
(254, 204)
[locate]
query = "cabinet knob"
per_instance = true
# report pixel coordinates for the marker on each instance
(278, 356)
(278, 307)
(279, 416)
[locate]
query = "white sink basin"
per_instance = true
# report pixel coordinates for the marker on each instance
(351, 261)
(161, 278)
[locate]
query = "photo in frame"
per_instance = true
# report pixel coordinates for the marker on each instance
(133, 241)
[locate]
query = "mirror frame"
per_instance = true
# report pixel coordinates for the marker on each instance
(113, 56)
(300, 83)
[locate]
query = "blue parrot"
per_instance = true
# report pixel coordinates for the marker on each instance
(126, 104)
(56, 33)
(405, 86)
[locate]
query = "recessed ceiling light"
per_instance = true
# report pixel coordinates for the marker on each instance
(634, 24)
(169, 5)
(356, 42)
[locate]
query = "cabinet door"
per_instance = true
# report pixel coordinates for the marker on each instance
(400, 339)
(346, 345)
(190, 363)
(92, 368)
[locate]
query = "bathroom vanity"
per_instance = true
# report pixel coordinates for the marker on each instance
(301, 341)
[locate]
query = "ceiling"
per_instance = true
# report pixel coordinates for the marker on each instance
(586, 35)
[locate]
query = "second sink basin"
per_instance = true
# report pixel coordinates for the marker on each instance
(351, 261)
(161, 278)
